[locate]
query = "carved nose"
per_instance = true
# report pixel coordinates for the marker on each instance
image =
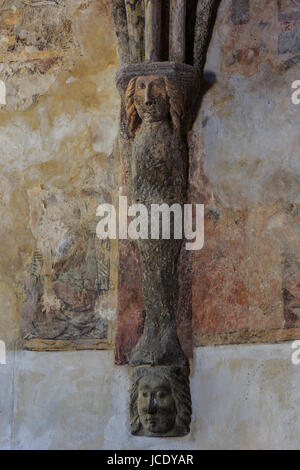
(152, 405)
(148, 100)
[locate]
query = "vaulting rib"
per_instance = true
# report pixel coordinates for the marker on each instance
(177, 31)
(153, 15)
(205, 11)
(118, 12)
(135, 11)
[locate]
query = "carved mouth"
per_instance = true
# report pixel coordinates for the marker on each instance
(149, 110)
(151, 420)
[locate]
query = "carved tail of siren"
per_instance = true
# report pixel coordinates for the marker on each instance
(156, 46)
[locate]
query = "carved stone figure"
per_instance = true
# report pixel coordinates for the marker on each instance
(160, 402)
(159, 157)
(158, 104)
(154, 98)
(154, 123)
(157, 173)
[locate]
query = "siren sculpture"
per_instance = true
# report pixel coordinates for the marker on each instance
(159, 83)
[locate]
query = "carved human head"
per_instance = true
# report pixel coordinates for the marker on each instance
(156, 405)
(152, 98)
(160, 402)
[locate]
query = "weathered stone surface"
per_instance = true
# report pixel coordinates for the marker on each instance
(135, 11)
(240, 11)
(241, 164)
(154, 114)
(177, 40)
(205, 13)
(265, 263)
(157, 104)
(153, 26)
(131, 306)
(37, 43)
(118, 11)
(151, 181)
(143, 184)
(288, 11)
(267, 32)
(220, 290)
(160, 402)
(130, 301)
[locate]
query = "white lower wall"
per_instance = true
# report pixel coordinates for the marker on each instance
(244, 397)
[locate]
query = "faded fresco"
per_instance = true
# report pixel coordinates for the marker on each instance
(57, 131)
(37, 43)
(69, 272)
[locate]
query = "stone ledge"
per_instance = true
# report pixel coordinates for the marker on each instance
(244, 337)
(38, 344)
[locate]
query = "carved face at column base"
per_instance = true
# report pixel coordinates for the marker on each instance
(160, 402)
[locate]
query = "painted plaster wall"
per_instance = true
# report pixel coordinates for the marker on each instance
(244, 397)
(246, 170)
(58, 132)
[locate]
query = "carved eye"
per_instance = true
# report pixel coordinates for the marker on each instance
(161, 394)
(142, 86)
(145, 394)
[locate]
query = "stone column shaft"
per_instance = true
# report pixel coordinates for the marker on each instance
(135, 23)
(118, 12)
(177, 31)
(152, 30)
(205, 9)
